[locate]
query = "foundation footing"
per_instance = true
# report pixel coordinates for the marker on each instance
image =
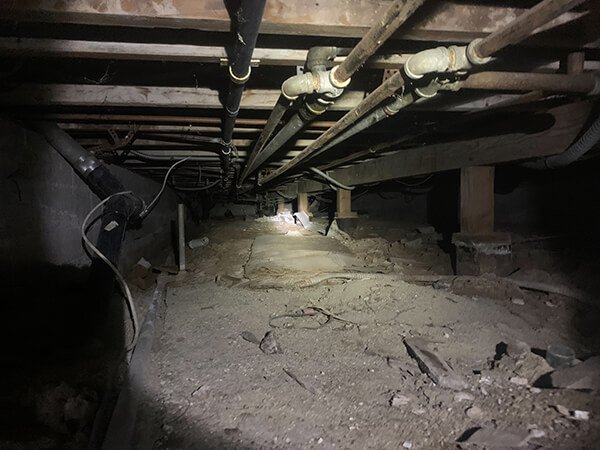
(479, 254)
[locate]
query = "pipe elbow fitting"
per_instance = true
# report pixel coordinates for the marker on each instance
(427, 61)
(319, 58)
(297, 85)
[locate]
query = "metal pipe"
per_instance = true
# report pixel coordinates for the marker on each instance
(394, 17)
(523, 26)
(118, 209)
(181, 236)
(316, 62)
(182, 138)
(379, 114)
(385, 90)
(249, 17)
(521, 81)
(275, 117)
(441, 59)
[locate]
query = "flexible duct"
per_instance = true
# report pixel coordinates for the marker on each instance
(583, 145)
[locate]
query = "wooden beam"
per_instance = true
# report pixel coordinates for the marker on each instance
(183, 97)
(477, 200)
(440, 21)
(147, 96)
(13, 46)
(83, 118)
(454, 155)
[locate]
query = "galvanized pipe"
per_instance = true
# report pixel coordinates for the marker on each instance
(521, 81)
(396, 15)
(477, 52)
(523, 26)
(385, 90)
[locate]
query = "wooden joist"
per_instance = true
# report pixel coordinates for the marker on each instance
(147, 96)
(136, 51)
(454, 155)
(442, 21)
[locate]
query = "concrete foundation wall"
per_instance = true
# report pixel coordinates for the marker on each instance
(44, 203)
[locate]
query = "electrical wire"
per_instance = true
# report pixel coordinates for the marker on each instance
(120, 277)
(331, 180)
(152, 204)
(196, 188)
(418, 183)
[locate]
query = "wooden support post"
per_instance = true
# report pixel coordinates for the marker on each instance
(303, 202)
(281, 208)
(478, 248)
(477, 200)
(344, 205)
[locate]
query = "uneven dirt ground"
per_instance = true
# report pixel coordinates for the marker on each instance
(334, 382)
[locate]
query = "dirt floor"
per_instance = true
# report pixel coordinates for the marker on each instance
(335, 370)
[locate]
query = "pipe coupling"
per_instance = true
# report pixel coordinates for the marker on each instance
(87, 164)
(338, 83)
(428, 91)
(239, 80)
(325, 86)
(458, 59)
(473, 54)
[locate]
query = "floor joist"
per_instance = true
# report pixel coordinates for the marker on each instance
(442, 21)
(454, 155)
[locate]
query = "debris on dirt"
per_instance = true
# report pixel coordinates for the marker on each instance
(531, 367)
(397, 400)
(560, 356)
(518, 301)
(141, 275)
(463, 397)
(304, 220)
(407, 444)
(229, 280)
(573, 414)
(427, 229)
(63, 409)
(197, 243)
(585, 375)
(474, 413)
(269, 344)
(496, 438)
(433, 365)
(517, 349)
(294, 377)
(250, 337)
(519, 381)
(412, 243)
